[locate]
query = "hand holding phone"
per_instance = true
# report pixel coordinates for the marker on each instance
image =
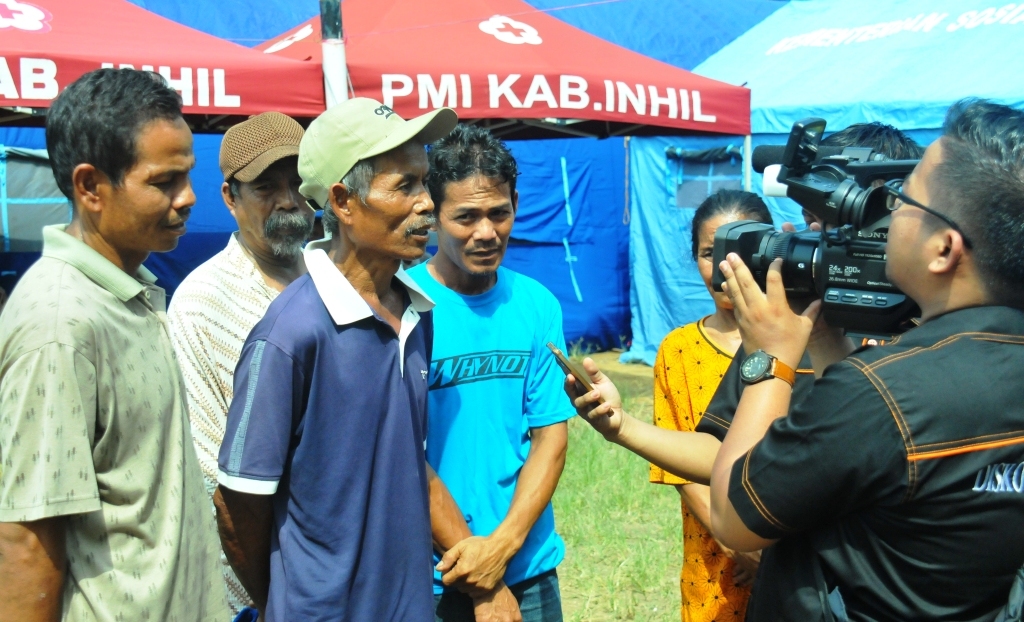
(570, 368)
(604, 413)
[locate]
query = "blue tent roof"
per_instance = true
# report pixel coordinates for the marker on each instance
(240, 21)
(679, 32)
(901, 62)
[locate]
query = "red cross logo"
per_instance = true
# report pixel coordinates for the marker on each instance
(515, 31)
(508, 30)
(24, 16)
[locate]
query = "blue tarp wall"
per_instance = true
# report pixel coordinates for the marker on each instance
(901, 62)
(569, 232)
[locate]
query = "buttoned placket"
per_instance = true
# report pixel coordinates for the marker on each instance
(410, 319)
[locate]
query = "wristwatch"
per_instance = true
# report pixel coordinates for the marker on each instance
(760, 366)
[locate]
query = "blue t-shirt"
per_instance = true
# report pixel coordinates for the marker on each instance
(492, 378)
(329, 418)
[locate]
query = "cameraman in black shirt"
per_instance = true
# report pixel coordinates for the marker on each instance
(895, 490)
(882, 139)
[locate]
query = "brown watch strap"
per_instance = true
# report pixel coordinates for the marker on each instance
(783, 372)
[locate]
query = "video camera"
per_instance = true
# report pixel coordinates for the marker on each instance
(844, 266)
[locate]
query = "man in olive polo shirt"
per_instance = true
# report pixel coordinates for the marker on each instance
(103, 514)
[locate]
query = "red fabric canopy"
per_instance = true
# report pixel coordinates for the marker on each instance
(503, 59)
(46, 44)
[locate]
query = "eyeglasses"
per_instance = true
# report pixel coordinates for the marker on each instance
(896, 198)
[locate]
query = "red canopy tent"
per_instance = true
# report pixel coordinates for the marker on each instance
(46, 44)
(516, 69)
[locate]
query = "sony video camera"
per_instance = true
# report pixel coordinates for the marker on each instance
(845, 266)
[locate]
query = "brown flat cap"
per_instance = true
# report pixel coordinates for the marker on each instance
(250, 147)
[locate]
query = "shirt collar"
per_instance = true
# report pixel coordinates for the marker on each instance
(57, 244)
(243, 266)
(342, 300)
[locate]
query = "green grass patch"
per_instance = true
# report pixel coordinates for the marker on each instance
(622, 534)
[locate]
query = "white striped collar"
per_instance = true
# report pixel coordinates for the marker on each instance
(342, 300)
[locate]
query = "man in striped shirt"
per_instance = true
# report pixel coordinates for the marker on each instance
(217, 305)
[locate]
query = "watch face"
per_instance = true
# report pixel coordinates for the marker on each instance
(755, 366)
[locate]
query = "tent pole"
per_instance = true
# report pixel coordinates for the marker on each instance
(333, 47)
(747, 161)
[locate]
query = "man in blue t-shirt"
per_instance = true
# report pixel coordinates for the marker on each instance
(496, 430)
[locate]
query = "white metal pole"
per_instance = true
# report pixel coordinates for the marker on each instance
(747, 161)
(333, 51)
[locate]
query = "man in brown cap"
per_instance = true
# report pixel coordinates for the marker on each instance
(217, 305)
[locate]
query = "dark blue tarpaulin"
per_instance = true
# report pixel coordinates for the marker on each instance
(577, 248)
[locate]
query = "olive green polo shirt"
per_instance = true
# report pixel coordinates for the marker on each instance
(94, 427)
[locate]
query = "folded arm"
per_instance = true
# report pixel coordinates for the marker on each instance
(448, 528)
(481, 561)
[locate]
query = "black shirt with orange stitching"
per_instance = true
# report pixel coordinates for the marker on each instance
(722, 407)
(897, 484)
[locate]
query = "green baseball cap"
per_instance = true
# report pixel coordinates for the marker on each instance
(354, 130)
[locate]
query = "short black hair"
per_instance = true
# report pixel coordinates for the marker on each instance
(981, 176)
(469, 151)
(882, 138)
(734, 202)
(97, 118)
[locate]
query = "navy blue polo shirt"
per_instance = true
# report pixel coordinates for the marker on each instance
(329, 418)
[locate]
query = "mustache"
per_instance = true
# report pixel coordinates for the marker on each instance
(485, 248)
(288, 226)
(426, 222)
(183, 215)
(286, 232)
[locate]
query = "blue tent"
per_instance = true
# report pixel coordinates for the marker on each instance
(683, 33)
(585, 262)
(901, 62)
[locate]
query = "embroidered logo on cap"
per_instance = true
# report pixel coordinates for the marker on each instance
(384, 110)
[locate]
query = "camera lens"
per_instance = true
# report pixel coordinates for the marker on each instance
(797, 252)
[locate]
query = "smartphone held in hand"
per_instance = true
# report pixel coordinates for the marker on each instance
(570, 368)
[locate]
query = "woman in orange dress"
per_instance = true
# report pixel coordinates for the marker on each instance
(715, 581)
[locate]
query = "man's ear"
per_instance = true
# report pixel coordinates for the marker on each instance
(90, 185)
(341, 202)
(515, 201)
(229, 199)
(948, 252)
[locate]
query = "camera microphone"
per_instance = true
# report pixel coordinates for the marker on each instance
(766, 155)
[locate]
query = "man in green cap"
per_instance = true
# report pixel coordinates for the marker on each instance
(323, 496)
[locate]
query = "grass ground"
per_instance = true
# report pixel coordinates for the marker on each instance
(622, 534)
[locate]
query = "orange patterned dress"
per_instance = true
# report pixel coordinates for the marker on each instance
(687, 372)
